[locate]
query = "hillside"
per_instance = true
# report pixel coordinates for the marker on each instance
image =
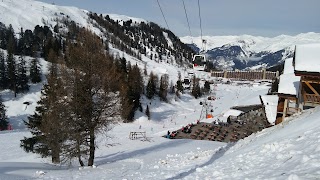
(241, 52)
(131, 35)
(286, 151)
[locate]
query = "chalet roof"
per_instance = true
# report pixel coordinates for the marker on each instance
(289, 83)
(307, 58)
(288, 66)
(270, 105)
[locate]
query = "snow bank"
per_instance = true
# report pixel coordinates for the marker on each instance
(270, 104)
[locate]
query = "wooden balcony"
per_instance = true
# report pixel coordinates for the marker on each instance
(311, 99)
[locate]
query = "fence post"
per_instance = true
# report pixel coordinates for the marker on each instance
(264, 73)
(225, 74)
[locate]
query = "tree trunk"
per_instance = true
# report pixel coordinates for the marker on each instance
(55, 155)
(79, 153)
(80, 160)
(92, 147)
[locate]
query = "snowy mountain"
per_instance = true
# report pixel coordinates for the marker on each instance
(241, 52)
(135, 36)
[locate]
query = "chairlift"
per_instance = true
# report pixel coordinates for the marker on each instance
(199, 62)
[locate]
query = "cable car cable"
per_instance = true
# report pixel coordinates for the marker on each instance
(185, 11)
(200, 18)
(163, 14)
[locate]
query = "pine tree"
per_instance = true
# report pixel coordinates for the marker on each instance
(35, 71)
(46, 125)
(179, 86)
(22, 78)
(164, 85)
(123, 65)
(134, 91)
(126, 103)
(148, 112)
(151, 88)
(172, 88)
(97, 106)
(145, 70)
(3, 117)
(11, 64)
(179, 83)
(3, 72)
(196, 90)
(206, 87)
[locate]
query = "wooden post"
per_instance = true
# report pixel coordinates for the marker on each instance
(264, 73)
(225, 74)
(284, 109)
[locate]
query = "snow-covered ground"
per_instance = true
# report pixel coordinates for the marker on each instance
(287, 151)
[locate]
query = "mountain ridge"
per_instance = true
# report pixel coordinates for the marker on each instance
(250, 52)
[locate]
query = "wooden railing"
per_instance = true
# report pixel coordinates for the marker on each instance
(246, 75)
(137, 135)
(311, 98)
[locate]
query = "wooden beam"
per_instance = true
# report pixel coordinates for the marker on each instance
(312, 89)
(285, 105)
(311, 81)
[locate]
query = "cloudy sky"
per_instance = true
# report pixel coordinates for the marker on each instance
(218, 17)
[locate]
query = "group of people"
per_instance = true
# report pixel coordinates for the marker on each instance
(171, 135)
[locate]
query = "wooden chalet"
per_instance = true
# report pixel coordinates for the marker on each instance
(306, 63)
(299, 85)
(288, 92)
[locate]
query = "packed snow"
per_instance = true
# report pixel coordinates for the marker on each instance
(289, 150)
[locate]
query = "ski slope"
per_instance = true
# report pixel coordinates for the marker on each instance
(287, 151)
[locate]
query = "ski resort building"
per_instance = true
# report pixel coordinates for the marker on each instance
(288, 90)
(306, 64)
(299, 85)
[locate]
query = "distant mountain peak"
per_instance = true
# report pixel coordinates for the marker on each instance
(248, 51)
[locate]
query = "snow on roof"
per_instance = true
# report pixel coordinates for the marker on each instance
(288, 67)
(270, 102)
(289, 82)
(232, 112)
(307, 58)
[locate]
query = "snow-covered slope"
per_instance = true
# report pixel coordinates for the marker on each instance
(29, 13)
(287, 151)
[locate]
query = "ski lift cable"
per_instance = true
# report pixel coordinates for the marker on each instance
(200, 22)
(185, 11)
(163, 14)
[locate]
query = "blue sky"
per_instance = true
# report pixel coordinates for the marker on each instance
(219, 17)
